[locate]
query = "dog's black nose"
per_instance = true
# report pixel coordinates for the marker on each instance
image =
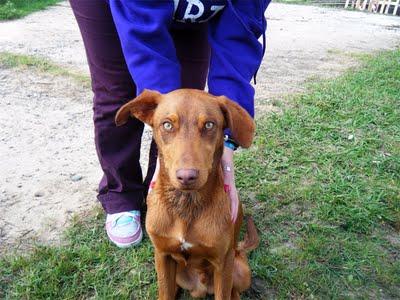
(187, 176)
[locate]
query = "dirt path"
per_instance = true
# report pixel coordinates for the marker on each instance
(48, 165)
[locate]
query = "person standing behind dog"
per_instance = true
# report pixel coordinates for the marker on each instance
(162, 45)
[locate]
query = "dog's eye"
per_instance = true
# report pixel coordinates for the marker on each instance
(167, 126)
(209, 125)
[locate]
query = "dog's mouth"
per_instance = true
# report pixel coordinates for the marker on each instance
(187, 187)
(192, 187)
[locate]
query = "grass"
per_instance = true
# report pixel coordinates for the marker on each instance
(14, 9)
(11, 60)
(322, 182)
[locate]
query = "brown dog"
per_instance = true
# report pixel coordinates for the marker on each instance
(188, 212)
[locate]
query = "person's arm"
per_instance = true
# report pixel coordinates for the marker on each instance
(143, 28)
(236, 53)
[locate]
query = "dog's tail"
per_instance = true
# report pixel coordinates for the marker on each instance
(251, 239)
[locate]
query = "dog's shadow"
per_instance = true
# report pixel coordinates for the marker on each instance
(185, 295)
(257, 291)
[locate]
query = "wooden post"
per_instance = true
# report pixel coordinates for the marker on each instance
(383, 4)
(373, 5)
(388, 6)
(396, 7)
(364, 5)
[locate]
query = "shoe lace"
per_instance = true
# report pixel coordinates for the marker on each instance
(125, 218)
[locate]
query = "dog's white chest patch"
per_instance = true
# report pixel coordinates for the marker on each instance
(185, 245)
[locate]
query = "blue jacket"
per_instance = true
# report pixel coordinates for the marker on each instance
(234, 29)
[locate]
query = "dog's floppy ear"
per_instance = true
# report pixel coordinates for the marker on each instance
(142, 108)
(238, 121)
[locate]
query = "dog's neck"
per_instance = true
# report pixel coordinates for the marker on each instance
(188, 205)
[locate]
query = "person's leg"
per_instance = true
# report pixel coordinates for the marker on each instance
(193, 52)
(118, 148)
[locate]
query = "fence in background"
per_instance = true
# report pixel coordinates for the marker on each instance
(376, 6)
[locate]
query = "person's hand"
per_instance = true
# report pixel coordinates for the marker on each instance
(229, 181)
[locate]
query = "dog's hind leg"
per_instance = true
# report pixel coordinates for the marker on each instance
(241, 269)
(241, 272)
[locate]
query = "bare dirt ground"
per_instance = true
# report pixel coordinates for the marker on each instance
(48, 164)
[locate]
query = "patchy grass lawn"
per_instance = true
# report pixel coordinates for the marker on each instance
(322, 182)
(14, 9)
(11, 60)
(325, 182)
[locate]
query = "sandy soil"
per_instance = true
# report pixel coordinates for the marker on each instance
(48, 164)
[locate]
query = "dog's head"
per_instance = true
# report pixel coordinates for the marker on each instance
(188, 128)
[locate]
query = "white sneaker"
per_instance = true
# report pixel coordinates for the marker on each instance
(124, 228)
